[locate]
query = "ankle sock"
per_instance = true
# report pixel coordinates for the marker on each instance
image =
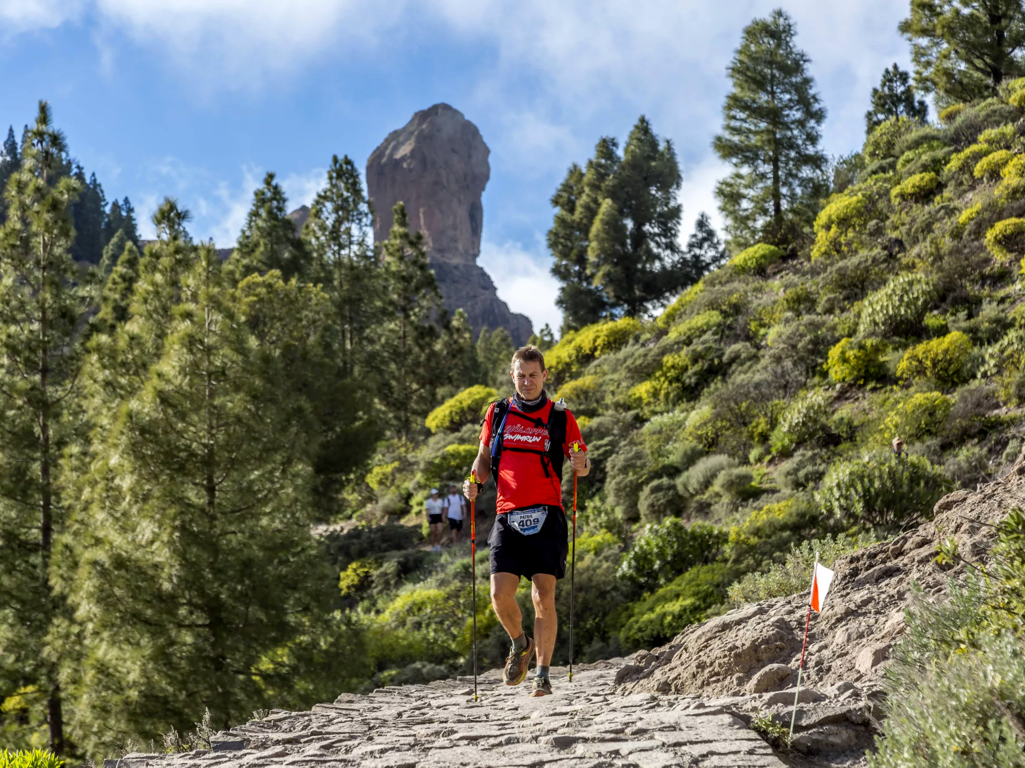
(541, 672)
(520, 642)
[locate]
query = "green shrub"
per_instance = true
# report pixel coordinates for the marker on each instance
(793, 575)
(755, 259)
(882, 491)
(735, 483)
(838, 225)
(37, 758)
(695, 327)
(921, 414)
(667, 549)
(882, 142)
(969, 214)
(382, 476)
(916, 188)
(967, 158)
(804, 470)
(949, 115)
(700, 477)
(898, 308)
(660, 500)
(579, 347)
(685, 454)
(1006, 239)
(679, 306)
(768, 533)
(804, 420)
(944, 360)
(450, 466)
(357, 577)
(1001, 137)
(927, 147)
(464, 408)
(629, 470)
(687, 600)
(991, 165)
(582, 395)
(857, 362)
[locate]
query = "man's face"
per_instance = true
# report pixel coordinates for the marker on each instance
(451, 489)
(529, 379)
(434, 496)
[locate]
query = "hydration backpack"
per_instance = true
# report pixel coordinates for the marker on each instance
(551, 457)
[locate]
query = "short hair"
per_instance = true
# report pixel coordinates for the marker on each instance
(528, 354)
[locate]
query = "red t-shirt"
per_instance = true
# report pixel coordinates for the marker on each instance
(521, 480)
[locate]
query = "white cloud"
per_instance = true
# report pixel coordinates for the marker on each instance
(698, 194)
(523, 282)
(22, 15)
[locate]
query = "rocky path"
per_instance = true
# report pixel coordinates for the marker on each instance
(585, 724)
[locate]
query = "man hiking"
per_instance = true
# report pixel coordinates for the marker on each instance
(455, 508)
(526, 440)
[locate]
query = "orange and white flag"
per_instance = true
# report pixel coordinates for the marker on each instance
(820, 584)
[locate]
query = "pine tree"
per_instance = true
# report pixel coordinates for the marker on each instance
(494, 351)
(41, 304)
(705, 251)
(113, 223)
(770, 135)
(129, 225)
(894, 98)
(10, 161)
(457, 349)
(410, 370)
(116, 299)
(581, 303)
(268, 239)
(89, 214)
(964, 50)
(194, 561)
(338, 236)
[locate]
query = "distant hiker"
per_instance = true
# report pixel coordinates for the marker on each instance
(435, 508)
(525, 441)
(455, 506)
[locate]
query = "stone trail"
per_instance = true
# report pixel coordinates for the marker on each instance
(585, 724)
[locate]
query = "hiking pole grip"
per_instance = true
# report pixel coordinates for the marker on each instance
(473, 577)
(573, 566)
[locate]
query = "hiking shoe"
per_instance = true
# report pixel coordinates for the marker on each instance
(517, 663)
(542, 687)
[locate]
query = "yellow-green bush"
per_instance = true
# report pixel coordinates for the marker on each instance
(1006, 239)
(967, 158)
(944, 360)
(1017, 99)
(464, 408)
(920, 415)
(969, 214)
(882, 142)
(916, 188)
(949, 115)
(993, 164)
(356, 577)
(1000, 137)
(35, 759)
(697, 326)
(837, 225)
(381, 476)
(582, 394)
(681, 303)
(857, 362)
(579, 347)
(452, 464)
(755, 259)
(912, 155)
(898, 308)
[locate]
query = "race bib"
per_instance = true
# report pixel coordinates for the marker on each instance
(528, 521)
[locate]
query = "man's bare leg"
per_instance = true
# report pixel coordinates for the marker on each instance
(546, 623)
(503, 600)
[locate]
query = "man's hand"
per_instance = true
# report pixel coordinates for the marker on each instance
(579, 461)
(469, 489)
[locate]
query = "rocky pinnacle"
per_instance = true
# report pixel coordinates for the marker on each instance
(437, 165)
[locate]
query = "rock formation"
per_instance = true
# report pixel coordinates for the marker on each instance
(437, 164)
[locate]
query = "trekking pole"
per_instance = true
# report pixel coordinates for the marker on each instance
(473, 577)
(573, 566)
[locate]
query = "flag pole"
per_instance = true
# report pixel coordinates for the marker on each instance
(804, 646)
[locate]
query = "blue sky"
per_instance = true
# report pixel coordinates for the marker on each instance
(199, 98)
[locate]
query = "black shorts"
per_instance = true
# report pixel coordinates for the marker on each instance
(455, 525)
(434, 519)
(542, 552)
